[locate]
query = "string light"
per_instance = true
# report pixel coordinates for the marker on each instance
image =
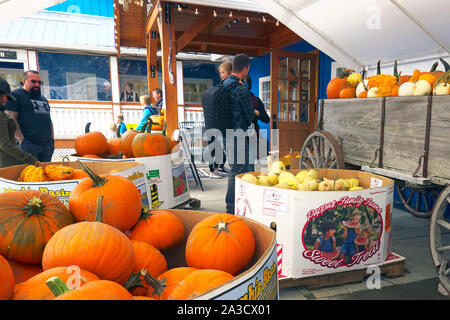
(215, 14)
(231, 14)
(264, 19)
(179, 8)
(248, 20)
(278, 23)
(196, 11)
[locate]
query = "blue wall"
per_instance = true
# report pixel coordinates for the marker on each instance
(103, 8)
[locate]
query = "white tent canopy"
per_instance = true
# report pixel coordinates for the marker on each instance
(358, 33)
(12, 9)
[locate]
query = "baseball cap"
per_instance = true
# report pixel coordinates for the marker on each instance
(5, 88)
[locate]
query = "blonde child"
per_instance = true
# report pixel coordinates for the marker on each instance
(112, 130)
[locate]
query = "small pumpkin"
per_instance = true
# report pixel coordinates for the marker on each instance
(29, 219)
(221, 241)
(160, 228)
(6, 280)
(91, 143)
(122, 203)
(347, 93)
(198, 282)
(158, 122)
(55, 172)
(421, 88)
(94, 246)
(125, 145)
(79, 174)
(36, 289)
(161, 287)
(150, 145)
(337, 84)
(94, 290)
(32, 173)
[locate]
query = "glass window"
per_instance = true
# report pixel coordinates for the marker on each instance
(264, 92)
(75, 76)
(13, 73)
(133, 79)
(194, 89)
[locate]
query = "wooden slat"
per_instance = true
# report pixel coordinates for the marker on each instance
(439, 154)
(238, 41)
(192, 32)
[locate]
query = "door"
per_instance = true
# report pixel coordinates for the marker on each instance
(293, 98)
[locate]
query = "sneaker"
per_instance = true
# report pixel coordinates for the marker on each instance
(215, 175)
(222, 173)
(223, 170)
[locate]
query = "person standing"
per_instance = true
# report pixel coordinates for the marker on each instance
(31, 111)
(157, 96)
(128, 94)
(148, 111)
(242, 116)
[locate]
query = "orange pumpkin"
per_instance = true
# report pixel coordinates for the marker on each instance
(113, 146)
(94, 290)
(161, 287)
(28, 219)
(6, 280)
(93, 246)
(91, 156)
(395, 91)
(91, 143)
(142, 298)
(160, 228)
(146, 257)
(125, 145)
(347, 93)
(23, 272)
(221, 241)
(363, 94)
(121, 206)
(150, 145)
(198, 282)
(158, 121)
(36, 289)
(79, 174)
(335, 86)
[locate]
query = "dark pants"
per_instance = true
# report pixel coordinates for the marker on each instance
(235, 168)
(42, 152)
(216, 162)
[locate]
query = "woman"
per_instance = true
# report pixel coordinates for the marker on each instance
(148, 111)
(10, 153)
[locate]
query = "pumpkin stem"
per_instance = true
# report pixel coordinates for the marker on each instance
(57, 286)
(97, 180)
(118, 132)
(379, 67)
(434, 66)
(99, 212)
(87, 127)
(157, 285)
(134, 281)
(147, 127)
(222, 226)
(34, 206)
(145, 214)
(164, 129)
(446, 65)
(396, 74)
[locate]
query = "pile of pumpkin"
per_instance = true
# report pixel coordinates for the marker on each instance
(52, 172)
(105, 247)
(352, 84)
(131, 144)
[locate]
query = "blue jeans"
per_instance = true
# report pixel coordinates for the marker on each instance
(42, 152)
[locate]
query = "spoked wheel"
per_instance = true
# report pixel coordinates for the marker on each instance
(440, 240)
(321, 150)
(418, 200)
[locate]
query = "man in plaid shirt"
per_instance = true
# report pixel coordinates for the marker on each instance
(237, 144)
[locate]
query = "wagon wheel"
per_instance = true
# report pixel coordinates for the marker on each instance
(440, 239)
(321, 150)
(418, 200)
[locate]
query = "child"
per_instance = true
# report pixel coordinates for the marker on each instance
(366, 233)
(348, 248)
(120, 123)
(326, 242)
(113, 131)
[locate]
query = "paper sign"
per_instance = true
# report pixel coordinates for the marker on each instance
(376, 183)
(275, 200)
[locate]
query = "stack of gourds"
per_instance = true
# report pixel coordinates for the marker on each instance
(105, 246)
(351, 84)
(52, 172)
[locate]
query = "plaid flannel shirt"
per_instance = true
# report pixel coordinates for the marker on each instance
(243, 112)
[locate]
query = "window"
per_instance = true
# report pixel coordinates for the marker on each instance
(264, 92)
(13, 73)
(75, 76)
(194, 89)
(133, 79)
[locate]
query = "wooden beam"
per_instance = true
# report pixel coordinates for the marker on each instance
(283, 37)
(150, 24)
(218, 25)
(225, 50)
(168, 59)
(117, 27)
(193, 31)
(152, 70)
(212, 39)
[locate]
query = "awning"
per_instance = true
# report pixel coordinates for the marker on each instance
(358, 33)
(12, 9)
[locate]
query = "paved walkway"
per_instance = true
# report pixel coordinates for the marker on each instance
(410, 240)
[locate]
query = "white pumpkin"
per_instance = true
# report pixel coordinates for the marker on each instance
(360, 87)
(422, 88)
(406, 89)
(441, 89)
(373, 92)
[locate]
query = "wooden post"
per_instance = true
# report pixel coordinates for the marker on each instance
(152, 71)
(168, 59)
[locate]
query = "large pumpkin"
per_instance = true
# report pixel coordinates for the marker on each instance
(6, 280)
(221, 241)
(198, 282)
(125, 145)
(93, 246)
(91, 143)
(146, 257)
(23, 272)
(161, 287)
(335, 85)
(28, 219)
(95, 290)
(161, 228)
(150, 145)
(36, 289)
(122, 203)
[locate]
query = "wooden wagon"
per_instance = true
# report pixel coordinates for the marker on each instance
(404, 138)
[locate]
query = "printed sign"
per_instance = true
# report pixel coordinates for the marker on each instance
(274, 200)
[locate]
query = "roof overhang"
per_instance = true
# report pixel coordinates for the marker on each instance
(12, 9)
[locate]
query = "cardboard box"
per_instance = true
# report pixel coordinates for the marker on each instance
(165, 177)
(259, 281)
(133, 171)
(291, 161)
(300, 215)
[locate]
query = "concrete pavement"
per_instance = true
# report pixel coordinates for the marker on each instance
(409, 239)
